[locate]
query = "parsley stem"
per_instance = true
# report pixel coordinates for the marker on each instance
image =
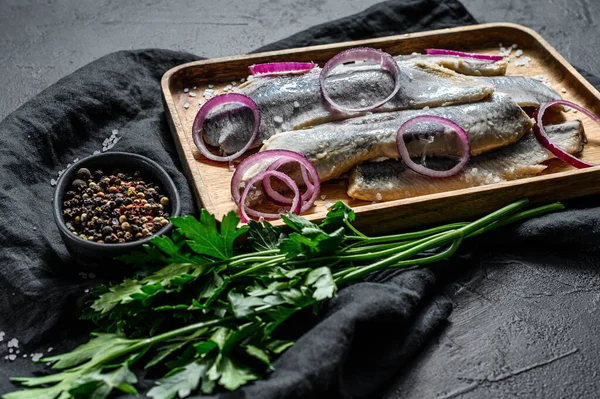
(255, 259)
(354, 230)
(341, 276)
(428, 243)
(528, 214)
(409, 236)
(272, 262)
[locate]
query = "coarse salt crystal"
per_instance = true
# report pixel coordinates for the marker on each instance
(378, 196)
(277, 119)
(192, 94)
(563, 90)
(10, 350)
(296, 104)
(186, 105)
(186, 90)
(514, 45)
(519, 53)
(211, 86)
(12, 357)
(13, 343)
(233, 83)
(194, 88)
(36, 356)
(50, 349)
(426, 108)
(323, 197)
(574, 111)
(53, 183)
(242, 80)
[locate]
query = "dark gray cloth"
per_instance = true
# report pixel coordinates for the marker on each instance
(366, 338)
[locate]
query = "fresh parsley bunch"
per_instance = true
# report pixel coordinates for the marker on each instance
(204, 313)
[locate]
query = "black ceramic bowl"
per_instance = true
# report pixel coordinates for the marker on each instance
(99, 256)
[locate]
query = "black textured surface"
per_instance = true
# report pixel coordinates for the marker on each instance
(524, 321)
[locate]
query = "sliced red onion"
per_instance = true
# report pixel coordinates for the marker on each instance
(385, 60)
(540, 133)
(244, 211)
(281, 68)
(277, 156)
(464, 139)
(307, 196)
(436, 51)
(198, 126)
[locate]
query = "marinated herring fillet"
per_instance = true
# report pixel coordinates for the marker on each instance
(335, 148)
(525, 91)
(391, 180)
(292, 102)
(463, 65)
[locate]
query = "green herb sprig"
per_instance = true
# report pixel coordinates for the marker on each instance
(202, 313)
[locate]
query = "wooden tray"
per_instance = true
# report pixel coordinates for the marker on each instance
(211, 183)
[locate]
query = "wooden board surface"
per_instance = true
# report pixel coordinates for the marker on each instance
(211, 182)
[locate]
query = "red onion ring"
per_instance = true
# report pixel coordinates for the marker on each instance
(540, 133)
(280, 199)
(435, 51)
(253, 159)
(361, 54)
(464, 139)
(244, 211)
(280, 68)
(198, 126)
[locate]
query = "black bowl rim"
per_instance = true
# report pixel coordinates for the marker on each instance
(57, 201)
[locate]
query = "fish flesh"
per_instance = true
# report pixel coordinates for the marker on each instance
(293, 102)
(335, 148)
(525, 91)
(391, 179)
(463, 65)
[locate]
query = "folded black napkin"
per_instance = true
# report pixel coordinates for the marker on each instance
(367, 339)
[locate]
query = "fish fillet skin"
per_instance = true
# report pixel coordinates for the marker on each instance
(525, 91)
(337, 147)
(465, 66)
(292, 102)
(391, 179)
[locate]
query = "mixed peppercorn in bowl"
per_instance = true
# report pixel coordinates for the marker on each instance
(109, 204)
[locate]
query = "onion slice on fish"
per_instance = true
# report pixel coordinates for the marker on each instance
(540, 133)
(198, 126)
(462, 135)
(281, 68)
(279, 157)
(308, 197)
(436, 51)
(245, 211)
(385, 60)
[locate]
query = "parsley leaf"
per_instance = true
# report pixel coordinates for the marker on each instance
(338, 215)
(179, 382)
(204, 237)
(263, 236)
(322, 282)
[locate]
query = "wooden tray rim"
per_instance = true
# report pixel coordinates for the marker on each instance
(202, 190)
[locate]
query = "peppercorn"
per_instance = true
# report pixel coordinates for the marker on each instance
(84, 173)
(164, 201)
(120, 207)
(78, 183)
